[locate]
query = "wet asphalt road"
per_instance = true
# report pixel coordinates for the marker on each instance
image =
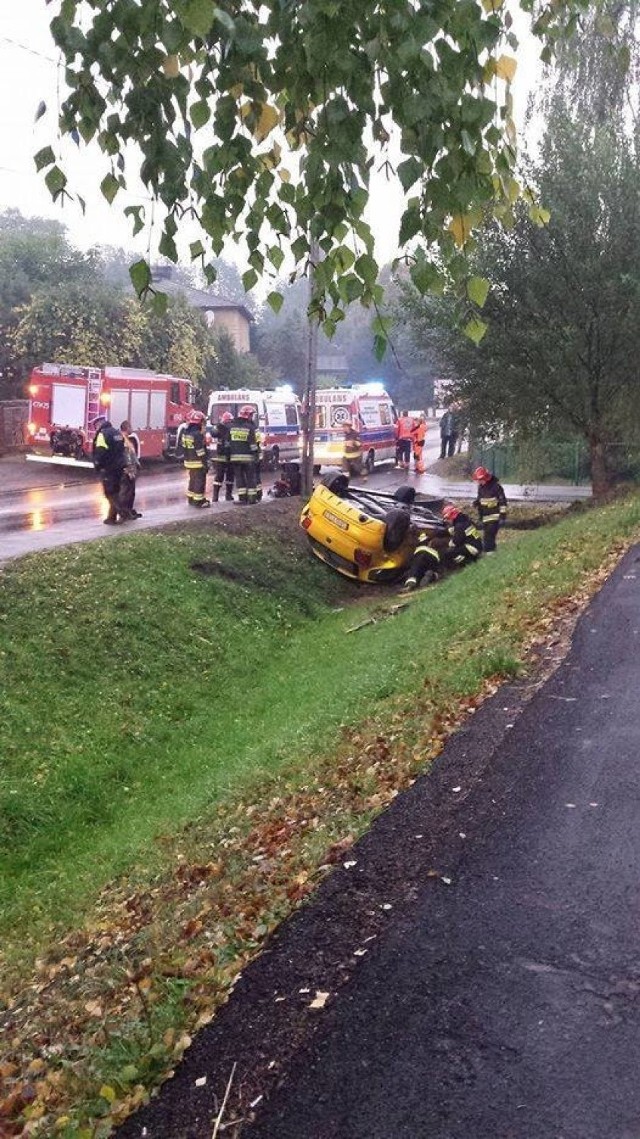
(507, 1004)
(479, 949)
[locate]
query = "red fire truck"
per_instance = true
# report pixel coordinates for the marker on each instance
(64, 399)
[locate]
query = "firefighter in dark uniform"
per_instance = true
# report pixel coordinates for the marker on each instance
(491, 504)
(259, 467)
(110, 459)
(465, 542)
(243, 449)
(218, 446)
(352, 453)
(195, 459)
(426, 563)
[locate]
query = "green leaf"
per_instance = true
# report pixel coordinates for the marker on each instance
(276, 256)
(109, 187)
(140, 274)
(478, 290)
(275, 301)
(198, 17)
(44, 157)
(56, 181)
(408, 172)
(379, 346)
(137, 213)
(159, 303)
(475, 329)
(200, 113)
(367, 267)
(196, 249)
(249, 279)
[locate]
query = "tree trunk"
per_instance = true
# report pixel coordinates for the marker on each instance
(600, 476)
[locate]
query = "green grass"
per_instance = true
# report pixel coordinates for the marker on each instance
(136, 692)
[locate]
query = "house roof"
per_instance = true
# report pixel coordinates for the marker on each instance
(198, 298)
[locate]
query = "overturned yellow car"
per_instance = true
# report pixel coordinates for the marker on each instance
(364, 534)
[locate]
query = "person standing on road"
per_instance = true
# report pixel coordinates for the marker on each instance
(352, 453)
(403, 441)
(243, 448)
(195, 459)
(465, 542)
(258, 466)
(418, 440)
(491, 504)
(218, 444)
(109, 460)
(448, 434)
(130, 473)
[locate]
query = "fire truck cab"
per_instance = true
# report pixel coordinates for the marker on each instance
(65, 399)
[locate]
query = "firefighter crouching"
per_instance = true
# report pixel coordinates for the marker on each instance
(217, 439)
(465, 542)
(243, 449)
(491, 504)
(426, 563)
(195, 459)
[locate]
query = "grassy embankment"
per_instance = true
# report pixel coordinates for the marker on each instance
(140, 695)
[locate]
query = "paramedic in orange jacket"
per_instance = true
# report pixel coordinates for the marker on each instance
(403, 441)
(418, 439)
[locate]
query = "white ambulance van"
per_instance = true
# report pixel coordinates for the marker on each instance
(277, 418)
(369, 409)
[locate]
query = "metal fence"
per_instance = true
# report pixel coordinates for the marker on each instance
(555, 462)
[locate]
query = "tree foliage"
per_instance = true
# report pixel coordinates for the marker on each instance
(263, 119)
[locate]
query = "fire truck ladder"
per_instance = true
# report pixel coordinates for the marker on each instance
(93, 401)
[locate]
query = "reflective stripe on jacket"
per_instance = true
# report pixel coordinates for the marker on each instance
(243, 447)
(491, 501)
(195, 454)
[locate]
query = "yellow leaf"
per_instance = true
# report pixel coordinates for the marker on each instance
(171, 66)
(284, 175)
(461, 225)
(475, 330)
(506, 68)
(513, 190)
(108, 1093)
(269, 118)
(492, 5)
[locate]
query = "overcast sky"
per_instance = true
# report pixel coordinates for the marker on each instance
(29, 74)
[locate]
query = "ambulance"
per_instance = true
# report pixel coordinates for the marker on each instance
(276, 417)
(369, 409)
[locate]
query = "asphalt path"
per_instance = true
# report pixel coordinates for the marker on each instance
(478, 950)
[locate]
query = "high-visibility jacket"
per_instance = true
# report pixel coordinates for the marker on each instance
(465, 533)
(352, 447)
(108, 450)
(243, 446)
(193, 445)
(491, 501)
(419, 434)
(403, 427)
(217, 441)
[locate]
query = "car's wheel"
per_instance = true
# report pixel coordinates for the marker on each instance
(405, 494)
(396, 528)
(336, 481)
(370, 462)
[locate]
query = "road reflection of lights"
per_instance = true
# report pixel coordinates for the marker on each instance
(37, 520)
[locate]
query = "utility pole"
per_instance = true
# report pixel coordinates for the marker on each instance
(309, 400)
